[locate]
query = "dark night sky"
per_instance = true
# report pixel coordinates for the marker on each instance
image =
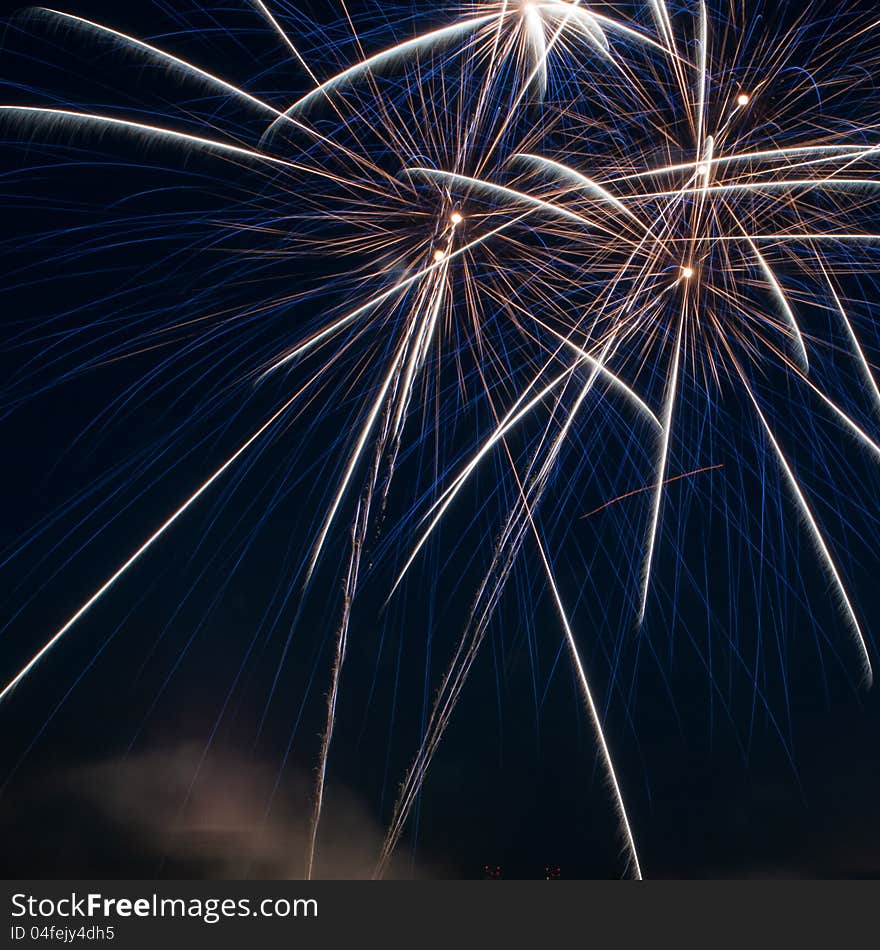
(718, 785)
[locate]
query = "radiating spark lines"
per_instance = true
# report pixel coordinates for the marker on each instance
(511, 235)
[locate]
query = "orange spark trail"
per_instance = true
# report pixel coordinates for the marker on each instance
(638, 491)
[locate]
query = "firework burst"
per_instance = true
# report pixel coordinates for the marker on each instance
(541, 218)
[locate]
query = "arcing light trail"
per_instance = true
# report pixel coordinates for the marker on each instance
(567, 208)
(138, 554)
(646, 488)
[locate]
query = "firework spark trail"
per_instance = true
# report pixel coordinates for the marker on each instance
(595, 718)
(583, 181)
(148, 131)
(816, 535)
(853, 339)
(647, 488)
(779, 296)
(500, 191)
(358, 533)
(662, 464)
(520, 520)
(288, 42)
(413, 353)
(826, 153)
(725, 224)
(151, 540)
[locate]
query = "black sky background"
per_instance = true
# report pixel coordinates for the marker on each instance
(103, 787)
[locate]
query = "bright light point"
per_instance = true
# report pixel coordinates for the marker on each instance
(702, 169)
(687, 272)
(456, 217)
(742, 99)
(439, 255)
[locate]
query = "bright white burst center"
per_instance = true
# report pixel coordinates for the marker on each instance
(439, 255)
(687, 272)
(456, 218)
(742, 99)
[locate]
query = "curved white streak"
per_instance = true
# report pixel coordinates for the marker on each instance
(612, 378)
(151, 50)
(703, 77)
(578, 178)
(192, 70)
(819, 541)
(782, 301)
(756, 186)
(148, 130)
(850, 423)
(788, 236)
(661, 18)
(424, 40)
(617, 27)
(863, 360)
(834, 152)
